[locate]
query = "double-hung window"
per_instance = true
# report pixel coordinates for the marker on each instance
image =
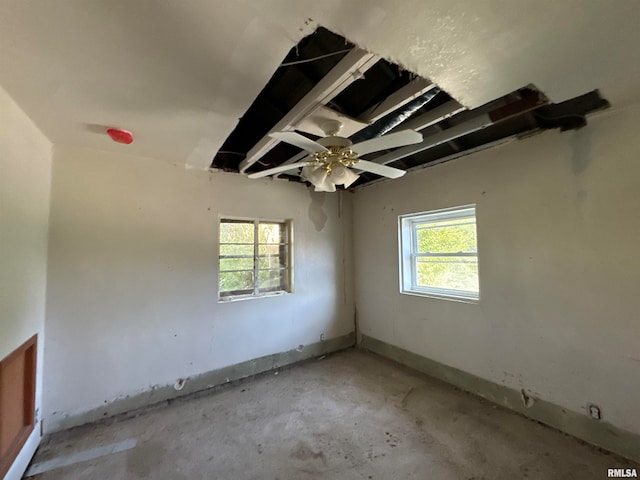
(255, 258)
(439, 253)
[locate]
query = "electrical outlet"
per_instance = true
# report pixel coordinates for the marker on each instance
(322, 337)
(594, 411)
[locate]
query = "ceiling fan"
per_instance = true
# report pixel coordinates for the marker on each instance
(331, 157)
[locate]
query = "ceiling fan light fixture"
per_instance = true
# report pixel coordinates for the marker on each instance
(307, 170)
(331, 157)
(341, 175)
(326, 186)
(319, 178)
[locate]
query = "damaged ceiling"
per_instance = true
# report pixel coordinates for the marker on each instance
(180, 75)
(325, 77)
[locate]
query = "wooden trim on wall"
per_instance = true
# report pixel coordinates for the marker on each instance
(21, 363)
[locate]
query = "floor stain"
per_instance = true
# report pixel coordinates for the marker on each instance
(405, 399)
(302, 451)
(351, 416)
(144, 458)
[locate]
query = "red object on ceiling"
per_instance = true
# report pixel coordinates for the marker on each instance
(120, 136)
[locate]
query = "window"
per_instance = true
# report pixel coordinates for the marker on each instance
(255, 258)
(439, 254)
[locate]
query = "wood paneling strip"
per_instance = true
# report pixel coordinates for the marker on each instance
(17, 401)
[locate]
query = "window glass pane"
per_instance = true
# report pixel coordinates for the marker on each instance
(239, 240)
(236, 264)
(230, 281)
(439, 253)
(269, 250)
(455, 273)
(434, 222)
(270, 279)
(236, 250)
(435, 238)
(236, 232)
(271, 261)
(270, 233)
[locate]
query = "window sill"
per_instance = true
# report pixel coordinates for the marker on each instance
(441, 296)
(240, 298)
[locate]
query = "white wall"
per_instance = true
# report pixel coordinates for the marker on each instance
(132, 298)
(25, 179)
(558, 239)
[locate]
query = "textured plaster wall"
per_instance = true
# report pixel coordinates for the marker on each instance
(25, 178)
(132, 298)
(558, 234)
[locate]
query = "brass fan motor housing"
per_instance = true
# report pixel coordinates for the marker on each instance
(335, 155)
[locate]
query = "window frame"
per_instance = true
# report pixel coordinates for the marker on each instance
(407, 250)
(256, 292)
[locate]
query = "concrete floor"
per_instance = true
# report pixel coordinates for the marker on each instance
(352, 415)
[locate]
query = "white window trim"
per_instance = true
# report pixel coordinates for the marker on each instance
(289, 268)
(407, 245)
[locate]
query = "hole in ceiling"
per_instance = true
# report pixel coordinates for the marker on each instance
(326, 77)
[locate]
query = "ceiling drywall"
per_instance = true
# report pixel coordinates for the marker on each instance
(369, 97)
(181, 74)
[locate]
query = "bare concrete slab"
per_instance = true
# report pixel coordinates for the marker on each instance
(351, 415)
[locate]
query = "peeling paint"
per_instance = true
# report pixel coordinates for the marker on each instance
(316, 212)
(527, 400)
(581, 156)
(156, 394)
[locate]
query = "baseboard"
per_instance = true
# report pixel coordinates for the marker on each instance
(201, 382)
(595, 432)
(16, 471)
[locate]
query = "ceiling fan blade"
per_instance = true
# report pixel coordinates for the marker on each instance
(385, 142)
(280, 169)
(382, 170)
(299, 141)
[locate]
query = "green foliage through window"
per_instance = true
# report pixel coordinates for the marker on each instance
(439, 253)
(254, 257)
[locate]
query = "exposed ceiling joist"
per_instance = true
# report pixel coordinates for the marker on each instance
(432, 117)
(300, 99)
(472, 125)
(398, 99)
(452, 156)
(348, 70)
(523, 105)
